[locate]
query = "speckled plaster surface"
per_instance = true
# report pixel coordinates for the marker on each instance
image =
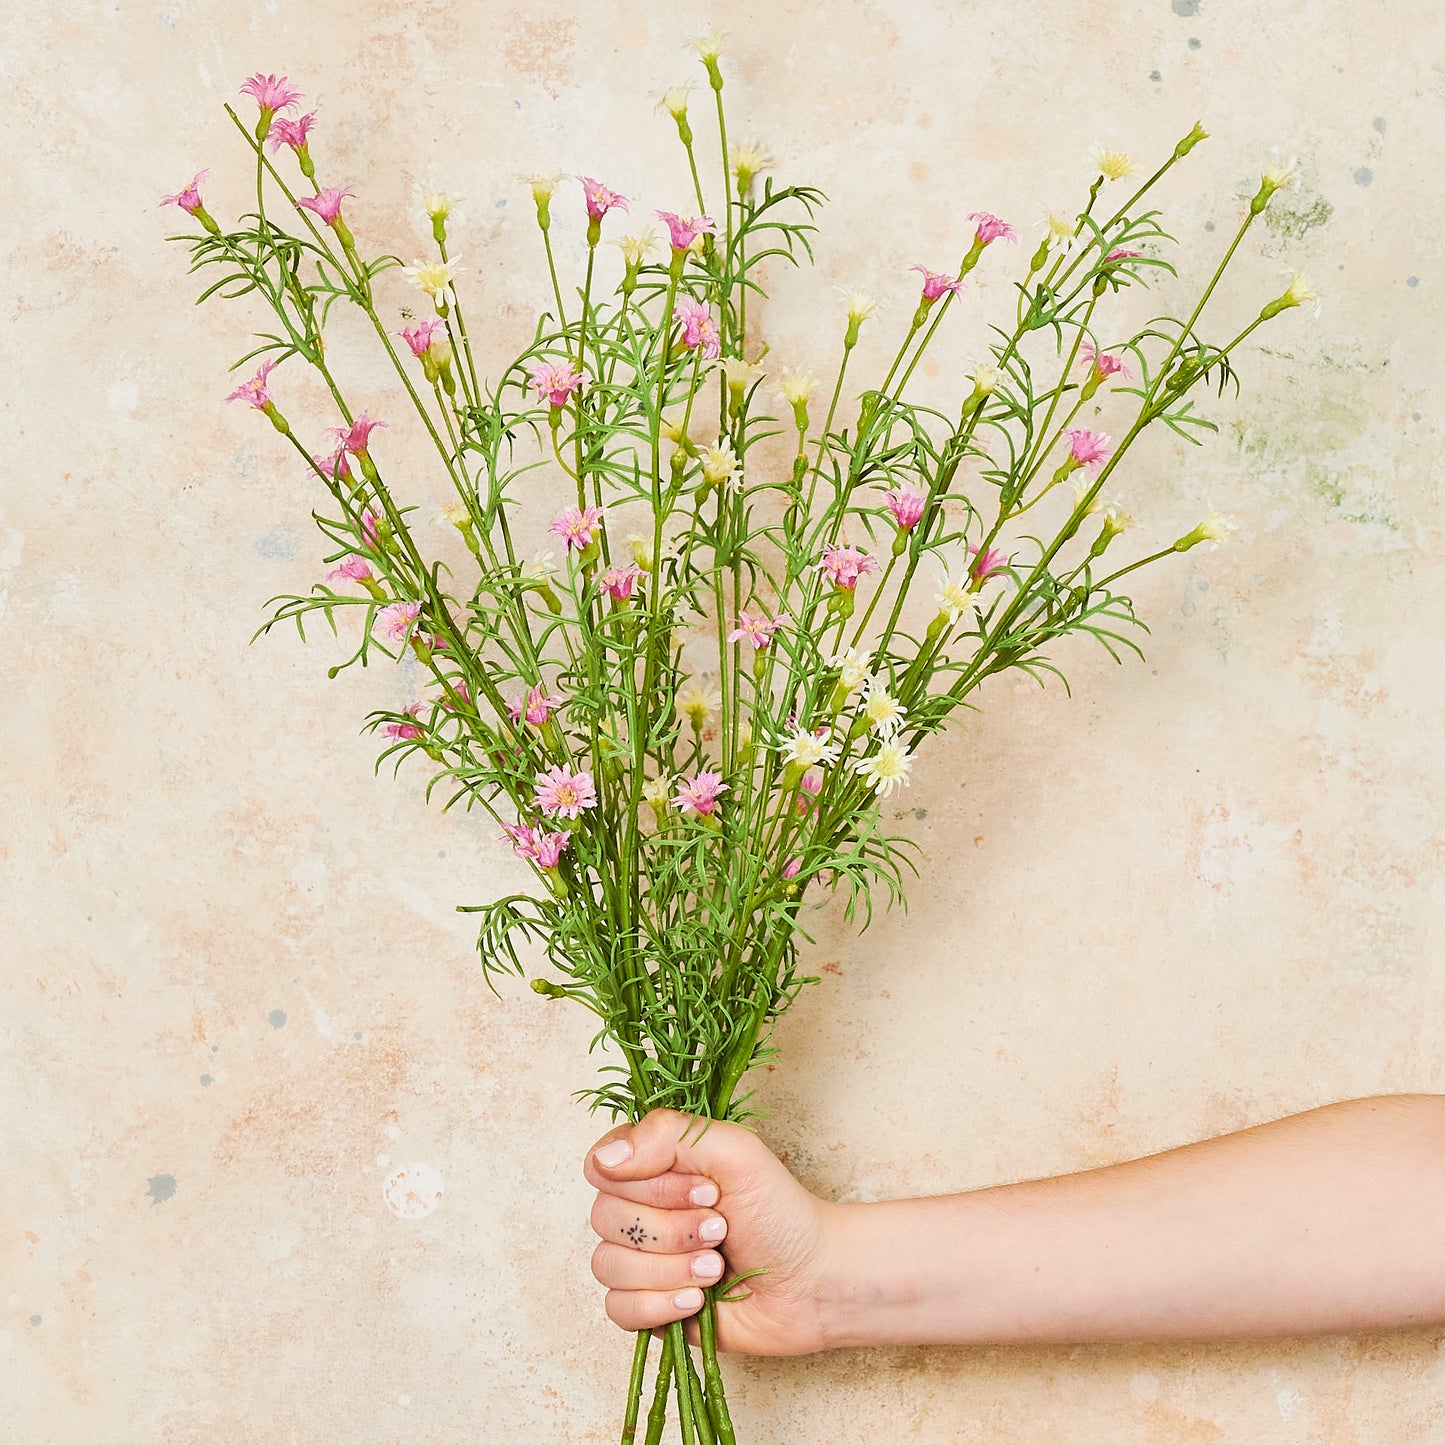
(278, 1167)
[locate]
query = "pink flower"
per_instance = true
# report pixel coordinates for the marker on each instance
(536, 704)
(397, 620)
(326, 203)
(420, 337)
(563, 794)
(1088, 448)
(618, 582)
(791, 867)
(369, 520)
(335, 468)
(906, 506)
(405, 730)
(600, 198)
(845, 565)
(554, 383)
(293, 133)
(699, 794)
(757, 630)
(271, 92)
(1120, 254)
(935, 283)
(808, 791)
(698, 328)
(354, 438)
(254, 391)
(991, 229)
(575, 525)
(986, 564)
(543, 849)
(686, 229)
(189, 197)
(462, 691)
(354, 569)
(1102, 363)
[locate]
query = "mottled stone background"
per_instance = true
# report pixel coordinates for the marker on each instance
(1202, 892)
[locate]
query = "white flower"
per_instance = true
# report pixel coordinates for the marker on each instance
(740, 374)
(455, 515)
(674, 101)
(1058, 231)
(796, 386)
(747, 160)
(1116, 519)
(886, 769)
(720, 464)
(1300, 292)
(881, 708)
(697, 704)
(1112, 165)
(539, 569)
(438, 205)
(658, 790)
(435, 278)
(1082, 488)
(640, 549)
(1281, 174)
(860, 305)
(1216, 527)
(804, 748)
(984, 377)
(543, 183)
(954, 598)
(639, 248)
(852, 668)
(708, 46)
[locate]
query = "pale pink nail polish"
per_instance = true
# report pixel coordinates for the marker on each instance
(707, 1266)
(609, 1156)
(713, 1229)
(687, 1299)
(704, 1195)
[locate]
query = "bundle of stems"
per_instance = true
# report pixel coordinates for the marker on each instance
(690, 717)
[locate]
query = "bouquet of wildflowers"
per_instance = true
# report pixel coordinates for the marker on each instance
(761, 595)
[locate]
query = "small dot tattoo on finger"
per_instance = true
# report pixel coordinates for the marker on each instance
(635, 1233)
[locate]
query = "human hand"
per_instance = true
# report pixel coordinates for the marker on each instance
(682, 1203)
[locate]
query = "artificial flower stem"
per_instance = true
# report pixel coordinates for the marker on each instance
(657, 1415)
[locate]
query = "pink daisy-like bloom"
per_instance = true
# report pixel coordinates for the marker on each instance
(991, 229)
(619, 582)
(462, 691)
(575, 526)
(907, 507)
(405, 730)
(600, 198)
(698, 327)
(326, 203)
(271, 92)
(686, 229)
(535, 705)
(1120, 254)
(935, 283)
(699, 794)
(355, 437)
(757, 630)
(420, 337)
(334, 468)
(254, 391)
(1102, 364)
(1089, 449)
(293, 133)
(353, 569)
(808, 791)
(563, 794)
(554, 383)
(845, 565)
(985, 564)
(188, 198)
(397, 619)
(791, 867)
(370, 522)
(543, 849)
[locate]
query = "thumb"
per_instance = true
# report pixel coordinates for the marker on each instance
(667, 1141)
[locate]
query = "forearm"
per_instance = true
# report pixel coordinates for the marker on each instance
(1328, 1221)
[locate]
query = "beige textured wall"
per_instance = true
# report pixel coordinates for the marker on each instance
(1201, 893)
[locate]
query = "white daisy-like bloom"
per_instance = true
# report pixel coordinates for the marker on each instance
(709, 46)
(887, 769)
(658, 791)
(953, 598)
(1112, 165)
(739, 374)
(674, 100)
(455, 515)
(859, 304)
(1301, 292)
(1281, 174)
(720, 464)
(1216, 527)
(1082, 487)
(852, 668)
(1059, 231)
(435, 278)
(539, 569)
(984, 377)
(883, 711)
(748, 159)
(796, 386)
(696, 704)
(639, 547)
(804, 748)
(1116, 519)
(542, 183)
(639, 248)
(438, 205)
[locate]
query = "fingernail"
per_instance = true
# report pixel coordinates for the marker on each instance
(687, 1299)
(704, 1195)
(707, 1266)
(609, 1156)
(713, 1229)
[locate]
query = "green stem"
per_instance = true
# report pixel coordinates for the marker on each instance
(634, 1386)
(657, 1415)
